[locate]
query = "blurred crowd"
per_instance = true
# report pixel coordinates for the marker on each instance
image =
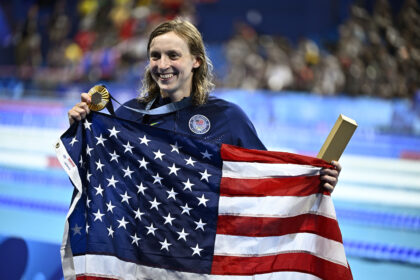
(102, 41)
(376, 54)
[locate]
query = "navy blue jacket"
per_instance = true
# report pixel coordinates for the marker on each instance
(217, 120)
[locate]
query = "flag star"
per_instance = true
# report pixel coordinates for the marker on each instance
(122, 223)
(155, 204)
(110, 231)
(172, 194)
(99, 190)
(182, 234)
(143, 163)
(98, 215)
(186, 209)
(158, 155)
(128, 147)
(205, 175)
(88, 150)
(138, 214)
(173, 169)
(190, 161)
(144, 140)
(200, 224)
(99, 165)
(168, 219)
(206, 155)
(202, 200)
(125, 197)
(157, 179)
(76, 229)
(151, 229)
(110, 207)
(196, 250)
(81, 161)
(88, 175)
(135, 239)
(88, 202)
(87, 124)
(112, 181)
(87, 228)
(165, 245)
(73, 140)
(114, 156)
(141, 188)
(175, 147)
(113, 132)
(127, 172)
(101, 140)
(188, 185)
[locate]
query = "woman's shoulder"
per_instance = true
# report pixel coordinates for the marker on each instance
(125, 113)
(226, 107)
(214, 101)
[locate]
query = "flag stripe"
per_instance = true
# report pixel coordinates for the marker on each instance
(277, 206)
(260, 227)
(233, 153)
(230, 245)
(89, 277)
(292, 261)
(296, 186)
(233, 169)
(100, 267)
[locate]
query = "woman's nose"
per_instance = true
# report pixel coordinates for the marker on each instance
(163, 62)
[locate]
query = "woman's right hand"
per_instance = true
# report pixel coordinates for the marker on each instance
(80, 110)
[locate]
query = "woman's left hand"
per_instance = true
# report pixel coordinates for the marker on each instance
(329, 176)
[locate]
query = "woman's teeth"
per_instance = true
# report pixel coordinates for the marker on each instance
(166, 76)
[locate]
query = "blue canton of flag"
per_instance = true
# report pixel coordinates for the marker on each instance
(149, 198)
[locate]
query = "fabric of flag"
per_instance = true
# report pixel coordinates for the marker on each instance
(155, 204)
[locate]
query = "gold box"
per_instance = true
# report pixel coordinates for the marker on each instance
(337, 140)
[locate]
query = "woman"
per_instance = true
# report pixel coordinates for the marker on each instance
(179, 73)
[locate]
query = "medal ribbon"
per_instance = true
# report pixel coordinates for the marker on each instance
(100, 98)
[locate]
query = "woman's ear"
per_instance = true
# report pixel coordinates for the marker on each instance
(197, 62)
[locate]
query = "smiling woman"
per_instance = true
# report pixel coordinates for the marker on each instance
(179, 76)
(183, 41)
(172, 66)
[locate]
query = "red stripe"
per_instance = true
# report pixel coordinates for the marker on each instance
(300, 262)
(86, 277)
(233, 153)
(281, 186)
(260, 227)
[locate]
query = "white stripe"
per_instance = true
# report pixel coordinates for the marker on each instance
(230, 245)
(232, 169)
(110, 266)
(277, 206)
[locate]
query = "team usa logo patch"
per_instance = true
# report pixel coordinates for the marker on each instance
(199, 124)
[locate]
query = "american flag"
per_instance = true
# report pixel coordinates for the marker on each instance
(154, 204)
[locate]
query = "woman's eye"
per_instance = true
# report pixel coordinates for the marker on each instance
(154, 56)
(173, 55)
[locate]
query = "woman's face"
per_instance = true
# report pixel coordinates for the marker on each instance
(171, 65)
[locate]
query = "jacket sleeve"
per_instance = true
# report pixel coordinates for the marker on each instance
(242, 130)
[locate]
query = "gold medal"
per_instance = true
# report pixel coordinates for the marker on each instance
(99, 97)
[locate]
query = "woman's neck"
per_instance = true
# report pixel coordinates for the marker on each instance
(175, 97)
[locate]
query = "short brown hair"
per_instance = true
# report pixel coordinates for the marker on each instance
(202, 78)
